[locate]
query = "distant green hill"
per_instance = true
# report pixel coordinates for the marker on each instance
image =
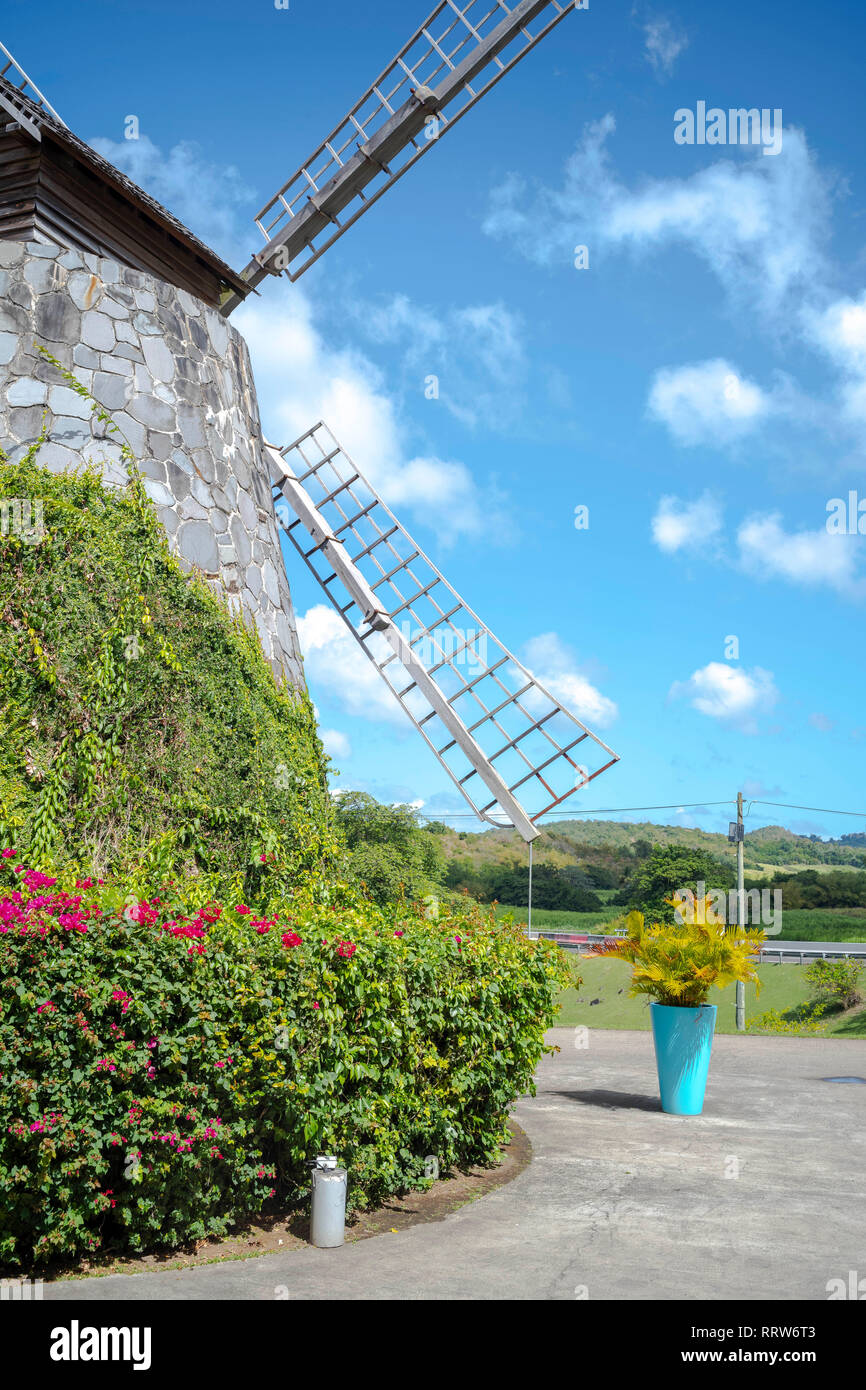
(609, 843)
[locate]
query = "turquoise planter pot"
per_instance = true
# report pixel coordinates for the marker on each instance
(683, 1041)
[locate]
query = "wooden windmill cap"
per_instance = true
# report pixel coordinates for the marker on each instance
(54, 187)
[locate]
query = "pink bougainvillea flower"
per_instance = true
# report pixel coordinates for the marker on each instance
(8, 854)
(399, 933)
(264, 858)
(142, 913)
(291, 939)
(243, 910)
(123, 999)
(316, 1004)
(346, 949)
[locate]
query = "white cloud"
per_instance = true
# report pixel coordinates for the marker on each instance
(336, 744)
(810, 558)
(663, 44)
(554, 665)
(477, 353)
(679, 525)
(839, 331)
(335, 665)
(729, 693)
(707, 402)
(760, 225)
(302, 379)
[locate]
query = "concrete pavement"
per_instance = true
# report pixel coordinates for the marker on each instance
(761, 1197)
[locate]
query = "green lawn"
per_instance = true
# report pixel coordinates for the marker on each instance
(547, 919)
(782, 987)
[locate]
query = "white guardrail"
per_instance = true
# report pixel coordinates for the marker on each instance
(797, 952)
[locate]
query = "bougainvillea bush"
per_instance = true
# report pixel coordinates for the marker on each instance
(170, 1065)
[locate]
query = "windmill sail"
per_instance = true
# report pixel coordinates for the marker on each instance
(513, 750)
(17, 77)
(458, 54)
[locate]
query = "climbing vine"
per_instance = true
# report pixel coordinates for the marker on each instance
(145, 730)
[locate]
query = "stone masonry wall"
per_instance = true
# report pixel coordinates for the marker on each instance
(177, 380)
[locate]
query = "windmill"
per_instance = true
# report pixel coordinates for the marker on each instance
(511, 747)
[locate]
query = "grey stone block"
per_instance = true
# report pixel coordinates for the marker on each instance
(26, 390)
(71, 430)
(42, 276)
(241, 541)
(113, 308)
(178, 481)
(158, 493)
(159, 445)
(25, 423)
(152, 412)
(64, 401)
(84, 356)
(110, 390)
(57, 457)
(145, 323)
(158, 358)
(84, 289)
(97, 330)
(57, 319)
(196, 541)
(134, 432)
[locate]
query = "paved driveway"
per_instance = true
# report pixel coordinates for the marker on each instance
(761, 1197)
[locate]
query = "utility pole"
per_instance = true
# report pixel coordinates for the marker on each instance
(741, 908)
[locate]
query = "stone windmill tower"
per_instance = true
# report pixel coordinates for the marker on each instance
(138, 309)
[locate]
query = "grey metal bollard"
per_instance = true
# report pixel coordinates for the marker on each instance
(328, 1211)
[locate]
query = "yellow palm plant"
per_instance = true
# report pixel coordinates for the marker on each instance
(678, 965)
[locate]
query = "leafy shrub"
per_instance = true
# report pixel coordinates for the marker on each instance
(170, 1065)
(386, 851)
(836, 981)
(804, 1018)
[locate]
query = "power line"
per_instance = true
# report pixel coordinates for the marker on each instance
(824, 810)
(595, 811)
(576, 813)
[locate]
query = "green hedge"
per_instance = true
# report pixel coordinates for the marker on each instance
(169, 1067)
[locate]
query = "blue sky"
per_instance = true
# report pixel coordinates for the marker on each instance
(700, 387)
